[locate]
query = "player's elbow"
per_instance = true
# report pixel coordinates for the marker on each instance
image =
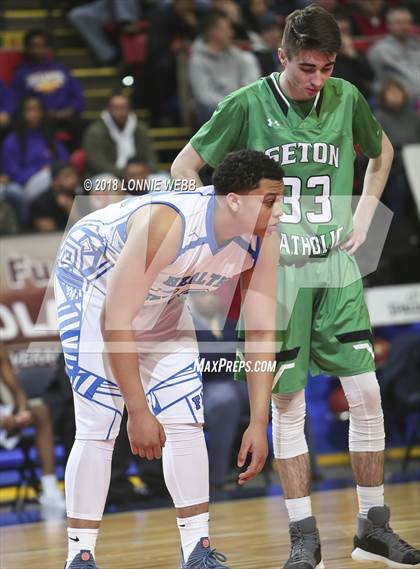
(181, 168)
(387, 147)
(178, 169)
(187, 164)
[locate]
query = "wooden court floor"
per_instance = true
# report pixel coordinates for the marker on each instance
(253, 533)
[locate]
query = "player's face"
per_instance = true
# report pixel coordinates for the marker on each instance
(305, 72)
(264, 206)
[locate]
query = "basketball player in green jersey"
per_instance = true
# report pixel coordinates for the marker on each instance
(310, 123)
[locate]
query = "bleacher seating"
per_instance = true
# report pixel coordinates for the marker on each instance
(98, 82)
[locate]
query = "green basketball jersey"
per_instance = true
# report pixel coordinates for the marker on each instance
(314, 145)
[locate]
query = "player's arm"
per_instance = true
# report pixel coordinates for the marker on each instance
(224, 132)
(152, 244)
(259, 294)
(374, 143)
(187, 165)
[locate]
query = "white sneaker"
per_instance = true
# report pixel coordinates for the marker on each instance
(53, 504)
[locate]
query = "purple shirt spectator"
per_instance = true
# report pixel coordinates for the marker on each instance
(52, 83)
(6, 99)
(38, 155)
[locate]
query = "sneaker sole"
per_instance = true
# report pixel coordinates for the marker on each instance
(320, 566)
(365, 557)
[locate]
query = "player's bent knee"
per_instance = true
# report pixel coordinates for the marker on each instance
(366, 432)
(289, 410)
(363, 393)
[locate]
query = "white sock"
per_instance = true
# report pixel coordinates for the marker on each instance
(369, 497)
(191, 531)
(299, 508)
(79, 539)
(49, 483)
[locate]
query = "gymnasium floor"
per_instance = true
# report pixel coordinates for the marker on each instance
(252, 532)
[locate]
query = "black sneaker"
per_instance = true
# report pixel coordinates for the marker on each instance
(306, 546)
(376, 541)
(83, 560)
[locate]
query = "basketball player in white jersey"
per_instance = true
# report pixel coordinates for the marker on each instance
(128, 338)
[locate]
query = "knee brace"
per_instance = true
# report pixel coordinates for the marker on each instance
(186, 465)
(289, 411)
(87, 478)
(366, 432)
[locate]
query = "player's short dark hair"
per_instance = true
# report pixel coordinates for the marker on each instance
(34, 33)
(311, 28)
(243, 170)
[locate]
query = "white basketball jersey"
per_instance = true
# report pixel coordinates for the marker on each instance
(94, 244)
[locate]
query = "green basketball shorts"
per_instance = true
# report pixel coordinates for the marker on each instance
(321, 327)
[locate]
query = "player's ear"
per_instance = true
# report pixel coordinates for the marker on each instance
(233, 201)
(282, 56)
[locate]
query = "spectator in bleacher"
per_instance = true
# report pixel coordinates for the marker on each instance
(396, 115)
(397, 56)
(217, 67)
(14, 209)
(350, 64)
(58, 397)
(136, 173)
(369, 18)
(51, 210)
(30, 149)
(42, 75)
(225, 400)
(172, 28)
(116, 137)
(254, 11)
(17, 413)
(242, 31)
(329, 5)
(89, 20)
(8, 221)
(12, 204)
(7, 107)
(106, 190)
(266, 50)
(402, 125)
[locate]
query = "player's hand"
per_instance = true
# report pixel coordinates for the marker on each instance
(254, 441)
(146, 435)
(355, 240)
